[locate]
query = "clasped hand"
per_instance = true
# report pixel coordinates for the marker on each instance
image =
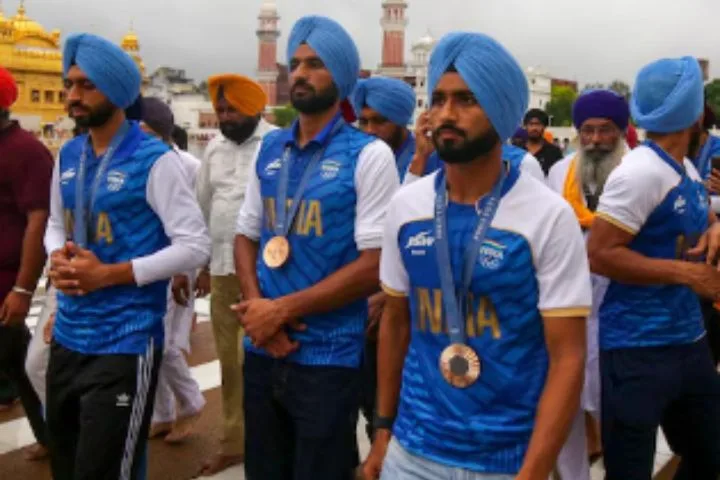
(76, 271)
(263, 321)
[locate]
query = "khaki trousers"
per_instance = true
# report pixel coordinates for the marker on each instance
(229, 344)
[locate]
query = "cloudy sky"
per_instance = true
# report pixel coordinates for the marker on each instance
(584, 40)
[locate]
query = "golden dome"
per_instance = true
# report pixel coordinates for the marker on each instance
(130, 42)
(24, 25)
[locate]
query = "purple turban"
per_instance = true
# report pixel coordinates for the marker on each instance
(521, 133)
(601, 104)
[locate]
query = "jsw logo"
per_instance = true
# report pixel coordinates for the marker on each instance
(422, 239)
(679, 205)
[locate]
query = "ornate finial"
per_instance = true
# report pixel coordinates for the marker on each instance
(21, 8)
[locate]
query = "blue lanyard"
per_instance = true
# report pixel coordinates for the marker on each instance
(454, 298)
(680, 169)
(284, 217)
(84, 207)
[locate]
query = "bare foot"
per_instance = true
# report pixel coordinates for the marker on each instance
(219, 463)
(183, 428)
(35, 453)
(160, 429)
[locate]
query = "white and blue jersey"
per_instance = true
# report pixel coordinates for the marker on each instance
(532, 268)
(341, 213)
(665, 207)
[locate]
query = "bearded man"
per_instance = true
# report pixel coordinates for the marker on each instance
(239, 103)
(601, 118)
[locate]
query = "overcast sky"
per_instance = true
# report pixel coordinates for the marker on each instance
(584, 40)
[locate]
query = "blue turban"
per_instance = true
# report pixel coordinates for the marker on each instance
(601, 104)
(391, 98)
(334, 47)
(113, 71)
(668, 95)
(490, 71)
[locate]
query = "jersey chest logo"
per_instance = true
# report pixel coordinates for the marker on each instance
(492, 255)
(115, 180)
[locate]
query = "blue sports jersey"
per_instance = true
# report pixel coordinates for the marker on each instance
(321, 241)
(120, 319)
(404, 156)
(703, 162)
(666, 208)
(531, 264)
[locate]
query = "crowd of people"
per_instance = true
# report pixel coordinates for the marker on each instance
(494, 307)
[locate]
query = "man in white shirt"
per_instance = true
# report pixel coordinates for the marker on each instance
(601, 117)
(176, 386)
(239, 103)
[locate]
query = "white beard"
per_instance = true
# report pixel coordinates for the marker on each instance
(594, 173)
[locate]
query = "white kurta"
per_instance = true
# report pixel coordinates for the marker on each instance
(178, 319)
(573, 459)
(178, 394)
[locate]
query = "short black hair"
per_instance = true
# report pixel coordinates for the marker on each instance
(536, 113)
(180, 137)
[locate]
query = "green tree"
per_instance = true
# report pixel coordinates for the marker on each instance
(284, 115)
(560, 106)
(620, 87)
(712, 93)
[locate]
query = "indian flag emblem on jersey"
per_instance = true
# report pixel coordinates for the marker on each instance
(492, 254)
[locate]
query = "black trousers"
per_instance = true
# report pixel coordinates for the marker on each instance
(13, 349)
(368, 386)
(712, 326)
(676, 387)
(98, 413)
(300, 421)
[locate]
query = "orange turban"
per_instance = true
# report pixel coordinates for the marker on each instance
(244, 95)
(549, 136)
(8, 89)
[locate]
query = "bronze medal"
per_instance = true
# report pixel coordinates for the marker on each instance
(460, 365)
(276, 252)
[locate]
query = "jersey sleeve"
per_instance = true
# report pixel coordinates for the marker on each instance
(629, 197)
(393, 276)
(376, 181)
(562, 269)
(249, 220)
(531, 166)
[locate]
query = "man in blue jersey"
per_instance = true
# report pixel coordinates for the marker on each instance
(656, 368)
(482, 340)
(705, 153)
(384, 107)
(307, 255)
(123, 220)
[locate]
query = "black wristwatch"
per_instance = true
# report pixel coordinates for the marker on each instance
(383, 423)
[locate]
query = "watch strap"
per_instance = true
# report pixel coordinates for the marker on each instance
(383, 423)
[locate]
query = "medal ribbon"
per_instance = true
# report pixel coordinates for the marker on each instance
(454, 298)
(285, 217)
(84, 207)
